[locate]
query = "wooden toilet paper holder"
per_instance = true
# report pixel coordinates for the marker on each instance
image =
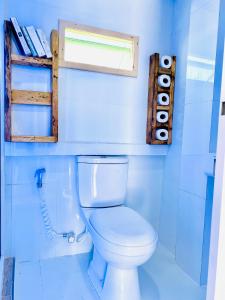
(154, 89)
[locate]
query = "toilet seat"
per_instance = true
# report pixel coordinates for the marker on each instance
(122, 226)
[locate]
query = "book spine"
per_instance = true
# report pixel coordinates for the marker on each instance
(21, 42)
(29, 42)
(35, 40)
(44, 43)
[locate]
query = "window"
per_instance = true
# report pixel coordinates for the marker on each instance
(89, 48)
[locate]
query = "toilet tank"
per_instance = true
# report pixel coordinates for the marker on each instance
(102, 180)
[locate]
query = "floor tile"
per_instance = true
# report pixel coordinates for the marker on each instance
(167, 280)
(28, 284)
(65, 278)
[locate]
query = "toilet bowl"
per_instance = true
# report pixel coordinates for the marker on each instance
(122, 239)
(121, 247)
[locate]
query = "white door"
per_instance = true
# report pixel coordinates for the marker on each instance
(216, 277)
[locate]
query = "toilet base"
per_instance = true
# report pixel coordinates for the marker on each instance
(120, 284)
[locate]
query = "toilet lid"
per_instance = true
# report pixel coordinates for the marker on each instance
(122, 226)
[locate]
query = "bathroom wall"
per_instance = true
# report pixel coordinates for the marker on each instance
(27, 235)
(188, 183)
(93, 107)
(194, 207)
(168, 216)
(98, 114)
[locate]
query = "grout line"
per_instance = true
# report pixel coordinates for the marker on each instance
(41, 278)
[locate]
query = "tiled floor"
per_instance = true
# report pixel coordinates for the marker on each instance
(166, 281)
(61, 278)
(65, 278)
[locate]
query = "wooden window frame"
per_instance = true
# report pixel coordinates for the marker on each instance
(62, 63)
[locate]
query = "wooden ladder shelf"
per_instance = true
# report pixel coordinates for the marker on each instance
(30, 97)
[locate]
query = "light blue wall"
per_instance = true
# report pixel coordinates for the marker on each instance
(98, 114)
(145, 185)
(27, 237)
(4, 228)
(168, 217)
(187, 190)
(194, 206)
(93, 107)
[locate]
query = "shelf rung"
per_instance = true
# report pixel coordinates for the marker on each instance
(163, 107)
(31, 61)
(165, 71)
(163, 90)
(31, 97)
(31, 139)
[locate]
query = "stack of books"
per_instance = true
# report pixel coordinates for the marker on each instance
(30, 41)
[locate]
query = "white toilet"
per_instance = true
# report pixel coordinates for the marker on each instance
(123, 240)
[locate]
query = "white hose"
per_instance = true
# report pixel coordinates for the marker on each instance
(51, 232)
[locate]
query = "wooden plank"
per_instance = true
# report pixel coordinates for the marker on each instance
(7, 67)
(151, 86)
(31, 97)
(154, 106)
(162, 125)
(163, 90)
(31, 61)
(8, 278)
(32, 139)
(164, 71)
(81, 66)
(157, 142)
(172, 87)
(55, 58)
(163, 107)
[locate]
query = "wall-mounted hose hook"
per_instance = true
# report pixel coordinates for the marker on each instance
(71, 236)
(39, 174)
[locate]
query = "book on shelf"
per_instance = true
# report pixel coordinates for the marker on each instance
(29, 41)
(35, 40)
(44, 43)
(20, 39)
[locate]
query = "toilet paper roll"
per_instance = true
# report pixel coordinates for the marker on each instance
(162, 116)
(166, 61)
(163, 99)
(162, 134)
(164, 81)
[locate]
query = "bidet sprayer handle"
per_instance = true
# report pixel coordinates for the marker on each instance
(39, 174)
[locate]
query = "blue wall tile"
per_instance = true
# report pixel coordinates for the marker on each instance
(29, 238)
(145, 185)
(190, 228)
(171, 179)
(197, 124)
(193, 177)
